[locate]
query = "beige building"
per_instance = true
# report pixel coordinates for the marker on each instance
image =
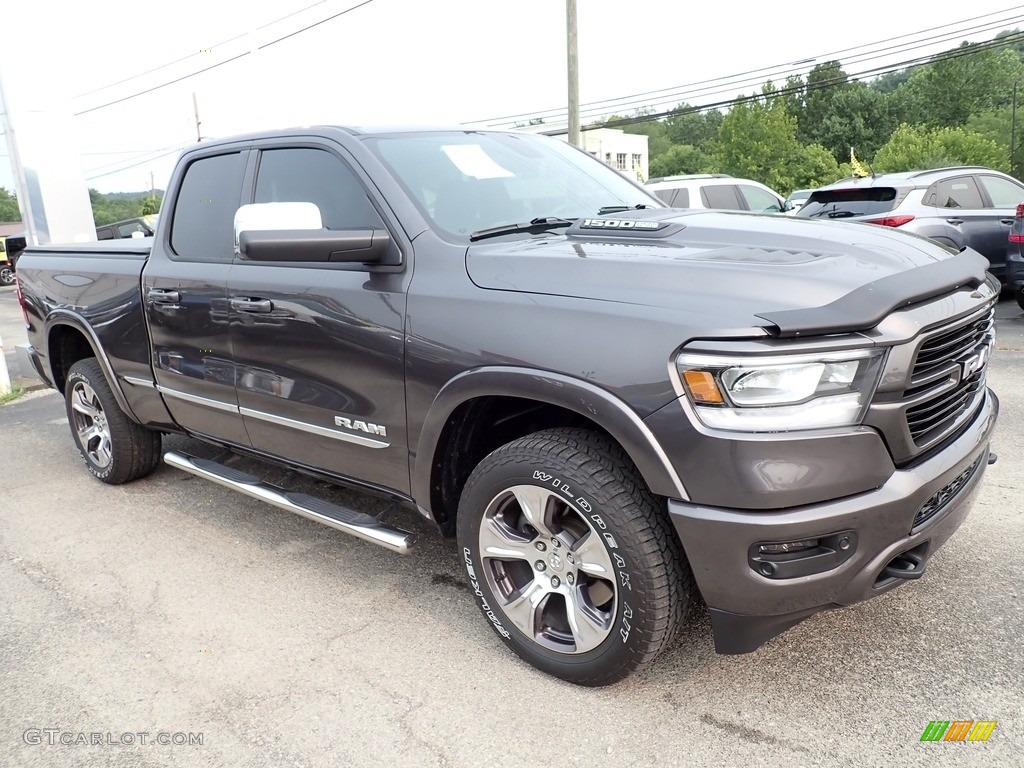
(626, 152)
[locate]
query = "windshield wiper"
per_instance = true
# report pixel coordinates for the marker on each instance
(620, 208)
(540, 224)
(833, 213)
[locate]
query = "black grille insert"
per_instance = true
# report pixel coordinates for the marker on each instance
(942, 497)
(951, 345)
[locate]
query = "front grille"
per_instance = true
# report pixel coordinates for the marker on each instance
(951, 345)
(960, 354)
(928, 416)
(942, 497)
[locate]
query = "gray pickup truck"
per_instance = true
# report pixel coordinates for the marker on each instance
(616, 408)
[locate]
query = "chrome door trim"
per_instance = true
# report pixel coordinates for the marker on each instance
(366, 442)
(197, 400)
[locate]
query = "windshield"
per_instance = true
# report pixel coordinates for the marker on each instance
(468, 182)
(842, 203)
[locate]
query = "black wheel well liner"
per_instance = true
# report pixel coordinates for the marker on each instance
(483, 409)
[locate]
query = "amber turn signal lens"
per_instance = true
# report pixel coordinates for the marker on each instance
(702, 387)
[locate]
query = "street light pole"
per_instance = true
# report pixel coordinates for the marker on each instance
(574, 73)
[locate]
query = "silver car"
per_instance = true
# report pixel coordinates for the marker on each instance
(962, 206)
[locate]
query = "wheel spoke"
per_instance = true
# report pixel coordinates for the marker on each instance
(89, 432)
(524, 608)
(497, 541)
(535, 503)
(592, 557)
(588, 630)
(103, 451)
(82, 403)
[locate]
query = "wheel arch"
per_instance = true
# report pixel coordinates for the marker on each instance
(487, 397)
(70, 338)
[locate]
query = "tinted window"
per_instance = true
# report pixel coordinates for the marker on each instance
(721, 196)
(681, 198)
(1003, 192)
(843, 203)
(960, 192)
(104, 233)
(316, 176)
(665, 195)
(758, 199)
(126, 230)
(202, 227)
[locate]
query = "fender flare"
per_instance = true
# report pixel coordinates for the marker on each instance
(582, 397)
(65, 317)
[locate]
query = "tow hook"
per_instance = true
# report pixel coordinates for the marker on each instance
(909, 565)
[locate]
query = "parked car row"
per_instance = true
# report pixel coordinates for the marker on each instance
(959, 207)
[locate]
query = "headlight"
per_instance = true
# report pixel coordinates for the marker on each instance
(780, 393)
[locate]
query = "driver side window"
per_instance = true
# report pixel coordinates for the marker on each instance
(316, 176)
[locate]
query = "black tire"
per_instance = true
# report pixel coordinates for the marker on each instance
(588, 488)
(1020, 297)
(6, 274)
(115, 449)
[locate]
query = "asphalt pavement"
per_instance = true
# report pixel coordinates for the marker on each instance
(174, 606)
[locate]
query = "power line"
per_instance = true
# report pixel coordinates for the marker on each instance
(170, 151)
(220, 63)
(679, 91)
(831, 83)
(197, 53)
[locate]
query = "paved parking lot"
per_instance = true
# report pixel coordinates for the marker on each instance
(175, 606)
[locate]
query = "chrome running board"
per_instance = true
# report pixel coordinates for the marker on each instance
(343, 519)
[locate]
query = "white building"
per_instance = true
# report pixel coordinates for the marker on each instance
(626, 152)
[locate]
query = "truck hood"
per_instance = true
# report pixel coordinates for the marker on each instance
(790, 276)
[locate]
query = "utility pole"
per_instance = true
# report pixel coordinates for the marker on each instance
(1013, 132)
(574, 73)
(195, 108)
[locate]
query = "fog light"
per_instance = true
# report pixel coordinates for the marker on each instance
(788, 546)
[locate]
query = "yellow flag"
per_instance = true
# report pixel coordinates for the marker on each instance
(858, 167)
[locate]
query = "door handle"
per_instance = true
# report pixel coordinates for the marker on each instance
(163, 296)
(1007, 222)
(955, 221)
(252, 305)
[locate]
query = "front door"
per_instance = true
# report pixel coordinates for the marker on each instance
(319, 347)
(184, 288)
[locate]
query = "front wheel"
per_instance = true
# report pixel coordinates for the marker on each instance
(6, 275)
(115, 449)
(572, 560)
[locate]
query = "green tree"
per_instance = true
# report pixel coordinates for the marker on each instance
(698, 129)
(824, 83)
(857, 117)
(758, 141)
(150, 205)
(679, 159)
(962, 82)
(919, 148)
(9, 211)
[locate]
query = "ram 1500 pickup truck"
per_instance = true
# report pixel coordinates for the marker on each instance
(617, 409)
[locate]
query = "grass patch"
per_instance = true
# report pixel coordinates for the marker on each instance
(11, 396)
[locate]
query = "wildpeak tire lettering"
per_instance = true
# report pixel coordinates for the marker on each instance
(483, 600)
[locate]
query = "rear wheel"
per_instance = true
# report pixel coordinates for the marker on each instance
(115, 449)
(6, 275)
(572, 559)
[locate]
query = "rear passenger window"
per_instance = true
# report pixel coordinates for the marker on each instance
(960, 192)
(681, 199)
(665, 195)
(316, 176)
(758, 199)
(202, 227)
(1003, 192)
(721, 196)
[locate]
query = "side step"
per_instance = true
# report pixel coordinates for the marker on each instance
(340, 518)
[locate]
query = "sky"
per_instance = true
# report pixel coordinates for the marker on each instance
(392, 62)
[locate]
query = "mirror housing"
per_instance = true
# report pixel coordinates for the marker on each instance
(295, 232)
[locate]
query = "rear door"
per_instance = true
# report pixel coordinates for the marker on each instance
(722, 196)
(962, 208)
(184, 287)
(320, 346)
(1001, 199)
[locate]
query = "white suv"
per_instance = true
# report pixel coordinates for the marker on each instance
(716, 190)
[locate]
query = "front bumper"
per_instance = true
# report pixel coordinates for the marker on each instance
(748, 608)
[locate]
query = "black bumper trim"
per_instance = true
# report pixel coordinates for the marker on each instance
(736, 634)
